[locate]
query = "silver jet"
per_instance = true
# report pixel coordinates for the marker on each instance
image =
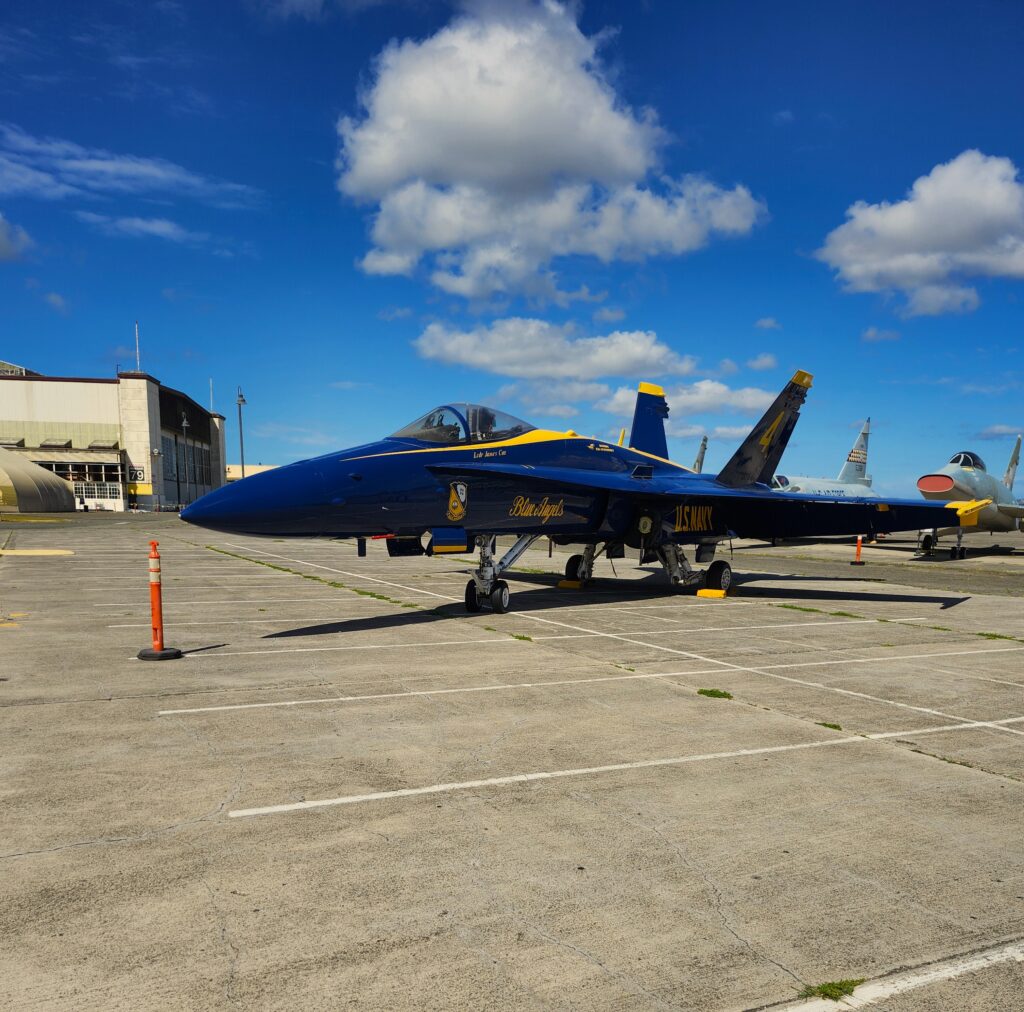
(965, 477)
(853, 480)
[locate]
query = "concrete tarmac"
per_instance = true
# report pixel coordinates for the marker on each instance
(350, 793)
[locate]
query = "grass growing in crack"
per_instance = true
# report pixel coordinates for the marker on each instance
(832, 989)
(798, 607)
(825, 723)
(490, 628)
(531, 569)
(316, 579)
(942, 758)
(714, 693)
(845, 614)
(939, 628)
(520, 636)
(995, 636)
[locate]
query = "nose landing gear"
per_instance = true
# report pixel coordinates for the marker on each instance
(485, 584)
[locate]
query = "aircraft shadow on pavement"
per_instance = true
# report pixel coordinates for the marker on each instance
(544, 596)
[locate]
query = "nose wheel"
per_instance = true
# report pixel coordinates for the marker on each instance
(485, 585)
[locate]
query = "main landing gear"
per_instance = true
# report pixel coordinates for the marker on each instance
(930, 541)
(485, 585)
(718, 576)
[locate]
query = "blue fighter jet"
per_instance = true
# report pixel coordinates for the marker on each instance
(463, 474)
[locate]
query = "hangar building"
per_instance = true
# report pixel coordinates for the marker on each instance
(122, 442)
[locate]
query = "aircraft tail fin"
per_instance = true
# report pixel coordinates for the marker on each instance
(698, 464)
(856, 466)
(648, 431)
(760, 453)
(1011, 468)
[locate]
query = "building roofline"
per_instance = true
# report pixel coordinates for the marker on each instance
(58, 379)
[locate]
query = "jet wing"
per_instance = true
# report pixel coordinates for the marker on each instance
(1011, 511)
(750, 512)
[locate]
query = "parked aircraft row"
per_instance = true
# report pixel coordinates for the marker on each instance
(463, 474)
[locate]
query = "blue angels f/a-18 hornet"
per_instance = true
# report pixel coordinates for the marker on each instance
(463, 474)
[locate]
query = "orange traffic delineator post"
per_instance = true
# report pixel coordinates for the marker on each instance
(158, 652)
(857, 560)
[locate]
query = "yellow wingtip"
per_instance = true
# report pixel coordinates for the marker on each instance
(651, 388)
(802, 379)
(968, 511)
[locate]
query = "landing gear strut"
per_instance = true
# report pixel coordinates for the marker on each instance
(958, 551)
(485, 584)
(581, 567)
(718, 576)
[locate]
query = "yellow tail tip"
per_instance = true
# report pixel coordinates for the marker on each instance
(650, 388)
(802, 379)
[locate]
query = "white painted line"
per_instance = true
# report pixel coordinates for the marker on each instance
(234, 600)
(523, 778)
(935, 973)
(272, 651)
(410, 693)
(344, 572)
(492, 687)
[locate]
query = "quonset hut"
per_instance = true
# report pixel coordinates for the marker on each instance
(28, 488)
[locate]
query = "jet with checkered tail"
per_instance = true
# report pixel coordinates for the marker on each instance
(462, 475)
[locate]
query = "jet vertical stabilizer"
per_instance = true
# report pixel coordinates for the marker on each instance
(1011, 468)
(648, 431)
(760, 453)
(856, 467)
(698, 464)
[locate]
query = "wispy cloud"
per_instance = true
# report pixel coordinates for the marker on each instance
(766, 360)
(155, 228)
(1001, 431)
(873, 334)
(297, 434)
(56, 302)
(768, 323)
(392, 313)
(51, 168)
(14, 240)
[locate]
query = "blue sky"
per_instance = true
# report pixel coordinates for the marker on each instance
(358, 210)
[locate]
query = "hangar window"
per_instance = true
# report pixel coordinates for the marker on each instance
(12, 440)
(55, 444)
(463, 423)
(967, 458)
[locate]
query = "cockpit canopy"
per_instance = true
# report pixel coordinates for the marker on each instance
(966, 458)
(452, 424)
(780, 481)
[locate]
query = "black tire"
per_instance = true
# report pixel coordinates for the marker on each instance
(472, 597)
(954, 552)
(963, 552)
(718, 576)
(927, 544)
(572, 567)
(500, 600)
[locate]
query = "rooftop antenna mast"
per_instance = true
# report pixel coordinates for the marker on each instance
(138, 363)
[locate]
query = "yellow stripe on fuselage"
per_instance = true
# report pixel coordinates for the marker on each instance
(526, 439)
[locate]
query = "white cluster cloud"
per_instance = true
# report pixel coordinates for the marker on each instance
(14, 240)
(497, 145)
(52, 169)
(532, 348)
(963, 220)
(706, 395)
(766, 360)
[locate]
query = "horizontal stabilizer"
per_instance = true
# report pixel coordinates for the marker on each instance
(648, 431)
(759, 455)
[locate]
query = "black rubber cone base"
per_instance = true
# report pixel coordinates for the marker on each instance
(167, 654)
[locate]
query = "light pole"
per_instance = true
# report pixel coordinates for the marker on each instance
(240, 400)
(184, 432)
(154, 463)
